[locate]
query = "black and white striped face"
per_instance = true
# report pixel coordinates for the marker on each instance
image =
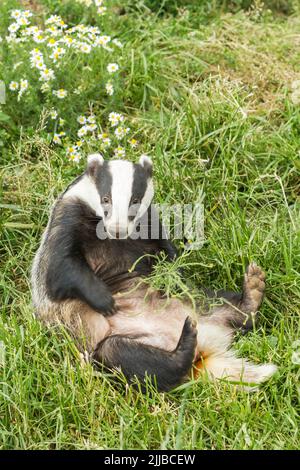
(119, 191)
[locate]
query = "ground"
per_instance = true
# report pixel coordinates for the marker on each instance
(210, 91)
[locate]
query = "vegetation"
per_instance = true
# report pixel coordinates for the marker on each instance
(211, 91)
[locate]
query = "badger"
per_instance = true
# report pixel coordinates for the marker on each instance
(96, 286)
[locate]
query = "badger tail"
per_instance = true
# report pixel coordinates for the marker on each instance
(165, 369)
(221, 362)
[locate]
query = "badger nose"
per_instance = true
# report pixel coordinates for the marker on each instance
(121, 232)
(118, 231)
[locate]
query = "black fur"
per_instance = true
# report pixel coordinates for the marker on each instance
(165, 369)
(69, 275)
(103, 180)
(73, 243)
(239, 319)
(139, 185)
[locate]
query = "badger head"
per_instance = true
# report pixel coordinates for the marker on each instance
(119, 191)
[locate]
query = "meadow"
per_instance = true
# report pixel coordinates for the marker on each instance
(211, 91)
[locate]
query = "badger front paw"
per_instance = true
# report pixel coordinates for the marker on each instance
(100, 299)
(107, 305)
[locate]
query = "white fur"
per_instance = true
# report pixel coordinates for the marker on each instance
(86, 191)
(221, 362)
(121, 192)
(95, 157)
(145, 159)
(147, 199)
(228, 366)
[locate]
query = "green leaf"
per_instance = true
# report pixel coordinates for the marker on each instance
(4, 117)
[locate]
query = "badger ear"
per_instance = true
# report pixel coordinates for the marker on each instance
(94, 162)
(146, 163)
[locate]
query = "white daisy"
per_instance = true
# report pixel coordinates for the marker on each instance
(81, 120)
(119, 152)
(111, 68)
(13, 86)
(109, 88)
(61, 93)
(13, 28)
(85, 48)
(47, 74)
(53, 113)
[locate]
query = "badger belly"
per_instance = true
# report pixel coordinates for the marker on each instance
(153, 320)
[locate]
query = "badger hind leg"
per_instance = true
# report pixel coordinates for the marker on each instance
(166, 369)
(239, 311)
(216, 332)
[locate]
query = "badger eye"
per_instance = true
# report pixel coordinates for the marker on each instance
(105, 199)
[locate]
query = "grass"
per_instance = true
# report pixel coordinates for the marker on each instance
(207, 89)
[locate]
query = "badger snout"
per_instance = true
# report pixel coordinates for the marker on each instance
(117, 231)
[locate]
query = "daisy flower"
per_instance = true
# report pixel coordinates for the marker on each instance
(61, 93)
(85, 48)
(101, 11)
(120, 132)
(62, 24)
(53, 30)
(53, 19)
(23, 87)
(13, 28)
(47, 74)
(82, 132)
(91, 119)
(91, 127)
(13, 86)
(68, 40)
(102, 40)
(133, 143)
(81, 120)
(109, 88)
(71, 149)
(111, 68)
(52, 42)
(23, 21)
(106, 142)
(53, 113)
(16, 14)
(39, 38)
(102, 135)
(115, 118)
(57, 53)
(56, 139)
(27, 13)
(119, 152)
(23, 84)
(73, 154)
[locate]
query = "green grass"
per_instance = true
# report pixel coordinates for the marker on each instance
(210, 81)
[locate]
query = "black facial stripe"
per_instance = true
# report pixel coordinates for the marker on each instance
(140, 180)
(104, 180)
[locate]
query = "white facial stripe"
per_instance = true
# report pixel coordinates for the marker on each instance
(147, 199)
(86, 191)
(121, 191)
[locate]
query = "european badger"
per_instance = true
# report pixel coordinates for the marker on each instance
(86, 283)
